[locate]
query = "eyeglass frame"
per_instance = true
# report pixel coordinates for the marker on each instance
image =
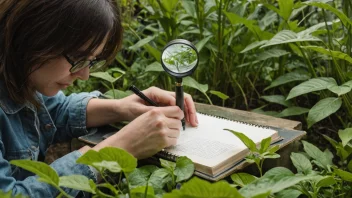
(74, 64)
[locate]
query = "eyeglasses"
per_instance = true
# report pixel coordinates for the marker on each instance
(79, 65)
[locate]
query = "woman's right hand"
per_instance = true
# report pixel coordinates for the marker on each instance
(154, 130)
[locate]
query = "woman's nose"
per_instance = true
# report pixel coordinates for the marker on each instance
(83, 74)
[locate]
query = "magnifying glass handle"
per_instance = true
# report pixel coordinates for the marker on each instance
(179, 99)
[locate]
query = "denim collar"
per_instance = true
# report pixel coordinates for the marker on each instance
(9, 106)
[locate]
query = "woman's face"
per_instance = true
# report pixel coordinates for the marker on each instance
(55, 75)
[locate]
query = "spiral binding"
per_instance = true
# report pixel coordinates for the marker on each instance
(167, 155)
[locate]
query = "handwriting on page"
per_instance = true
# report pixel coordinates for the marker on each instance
(202, 147)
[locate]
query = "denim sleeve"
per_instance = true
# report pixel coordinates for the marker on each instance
(31, 187)
(69, 113)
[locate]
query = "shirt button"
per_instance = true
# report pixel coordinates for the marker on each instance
(48, 126)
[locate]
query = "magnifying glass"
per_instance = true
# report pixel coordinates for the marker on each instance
(179, 58)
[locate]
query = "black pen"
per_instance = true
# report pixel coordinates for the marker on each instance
(141, 95)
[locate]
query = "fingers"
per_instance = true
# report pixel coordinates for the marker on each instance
(190, 111)
(170, 112)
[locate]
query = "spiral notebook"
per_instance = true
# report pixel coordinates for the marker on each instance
(212, 149)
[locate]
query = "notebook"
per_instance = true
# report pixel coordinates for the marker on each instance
(212, 149)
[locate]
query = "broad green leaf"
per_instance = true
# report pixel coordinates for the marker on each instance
(349, 166)
(154, 67)
(344, 19)
(323, 109)
(202, 43)
(273, 149)
(159, 178)
(345, 136)
(77, 182)
(242, 179)
(271, 53)
(140, 176)
(302, 163)
(275, 180)
(347, 176)
(189, 7)
(326, 181)
(332, 141)
(289, 77)
(287, 36)
(264, 145)
(339, 90)
(254, 45)
(334, 54)
(278, 99)
(152, 51)
(317, 154)
(169, 5)
(168, 164)
(315, 84)
(184, 169)
(288, 193)
(246, 141)
(141, 43)
(190, 82)
(105, 76)
(143, 192)
(292, 111)
(219, 94)
(109, 158)
(316, 27)
(286, 8)
(196, 188)
(44, 171)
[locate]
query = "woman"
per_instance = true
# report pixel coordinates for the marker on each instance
(44, 46)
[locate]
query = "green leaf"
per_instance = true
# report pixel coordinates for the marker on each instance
(242, 179)
(344, 19)
(219, 94)
(167, 164)
(323, 109)
(169, 5)
(196, 188)
(140, 176)
(159, 178)
(77, 182)
(302, 163)
(184, 169)
(111, 158)
(202, 43)
(264, 145)
(317, 155)
(141, 43)
(315, 84)
(44, 171)
(273, 149)
(105, 76)
(254, 45)
(190, 82)
(286, 8)
(287, 36)
(339, 90)
(152, 51)
(334, 54)
(271, 53)
(278, 99)
(117, 93)
(289, 77)
(292, 111)
(349, 166)
(345, 136)
(347, 176)
(288, 193)
(326, 181)
(143, 192)
(246, 141)
(275, 180)
(154, 67)
(189, 7)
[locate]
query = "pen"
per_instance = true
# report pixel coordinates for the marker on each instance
(141, 95)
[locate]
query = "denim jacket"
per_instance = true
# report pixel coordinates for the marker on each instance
(26, 132)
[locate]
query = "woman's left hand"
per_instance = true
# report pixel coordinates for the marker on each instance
(134, 106)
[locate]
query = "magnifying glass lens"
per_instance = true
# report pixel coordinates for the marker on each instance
(179, 58)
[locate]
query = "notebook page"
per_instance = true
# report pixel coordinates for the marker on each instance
(209, 144)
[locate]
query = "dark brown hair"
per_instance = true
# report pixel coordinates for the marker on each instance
(35, 31)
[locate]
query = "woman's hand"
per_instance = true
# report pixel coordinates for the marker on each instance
(149, 133)
(133, 106)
